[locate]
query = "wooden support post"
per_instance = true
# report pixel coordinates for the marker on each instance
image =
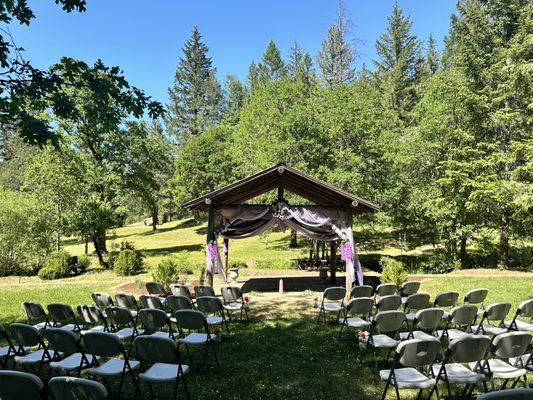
(226, 256)
(333, 262)
(210, 236)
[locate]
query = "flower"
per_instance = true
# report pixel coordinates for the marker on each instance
(246, 299)
(362, 334)
(217, 330)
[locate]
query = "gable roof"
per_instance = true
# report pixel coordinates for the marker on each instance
(288, 178)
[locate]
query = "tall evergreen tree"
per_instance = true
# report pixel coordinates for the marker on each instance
(400, 63)
(272, 65)
(236, 94)
(300, 65)
(337, 56)
(195, 96)
(432, 55)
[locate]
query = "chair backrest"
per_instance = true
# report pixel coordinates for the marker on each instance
(410, 287)
(176, 303)
(153, 319)
(417, 301)
(60, 312)
(463, 315)
(335, 293)
(25, 335)
(90, 314)
(428, 318)
(119, 316)
(151, 301)
(469, 348)
(103, 344)
(360, 306)
(61, 340)
(33, 310)
(389, 321)
(386, 289)
(417, 352)
(476, 296)
(497, 311)
(204, 290)
(20, 385)
(389, 303)
(154, 349)
(155, 288)
(209, 304)
(126, 300)
(361, 291)
(102, 299)
(180, 290)
(231, 294)
(190, 319)
(525, 309)
(446, 299)
(512, 344)
(70, 388)
(508, 394)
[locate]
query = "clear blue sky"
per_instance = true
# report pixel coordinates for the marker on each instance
(145, 37)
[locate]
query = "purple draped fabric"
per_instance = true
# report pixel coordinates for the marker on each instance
(315, 222)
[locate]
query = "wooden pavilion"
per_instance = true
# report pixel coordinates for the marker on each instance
(329, 219)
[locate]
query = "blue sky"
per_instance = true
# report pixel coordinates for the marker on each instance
(145, 37)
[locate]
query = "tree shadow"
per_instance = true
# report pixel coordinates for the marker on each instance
(298, 283)
(163, 251)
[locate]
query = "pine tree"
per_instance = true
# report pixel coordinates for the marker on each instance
(236, 95)
(272, 66)
(300, 65)
(400, 64)
(432, 55)
(195, 96)
(337, 56)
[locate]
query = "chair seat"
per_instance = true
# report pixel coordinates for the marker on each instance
(416, 335)
(503, 370)
(459, 374)
(332, 307)
(40, 326)
(126, 333)
(112, 367)
(382, 341)
(408, 378)
(31, 358)
(195, 339)
(489, 329)
(410, 317)
(162, 372)
(99, 328)
(161, 334)
(214, 320)
(69, 327)
(355, 322)
(453, 333)
(521, 325)
(525, 358)
(234, 306)
(71, 363)
(5, 351)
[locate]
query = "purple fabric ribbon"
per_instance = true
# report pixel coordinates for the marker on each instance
(346, 251)
(212, 249)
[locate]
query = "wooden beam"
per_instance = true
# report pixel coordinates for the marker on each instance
(333, 262)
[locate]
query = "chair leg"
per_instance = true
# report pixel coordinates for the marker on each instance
(386, 389)
(151, 390)
(186, 388)
(214, 352)
(340, 333)
(120, 383)
(175, 392)
(419, 394)
(397, 392)
(205, 358)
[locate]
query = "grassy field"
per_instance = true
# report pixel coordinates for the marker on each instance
(281, 353)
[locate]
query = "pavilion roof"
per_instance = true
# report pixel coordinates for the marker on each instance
(283, 178)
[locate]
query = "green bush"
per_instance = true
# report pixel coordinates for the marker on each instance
(128, 262)
(172, 269)
(116, 248)
(84, 262)
(393, 271)
(440, 263)
(56, 266)
(238, 264)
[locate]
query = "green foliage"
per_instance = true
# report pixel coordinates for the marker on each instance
(393, 271)
(128, 262)
(57, 266)
(116, 248)
(26, 234)
(439, 263)
(84, 262)
(275, 264)
(238, 264)
(172, 270)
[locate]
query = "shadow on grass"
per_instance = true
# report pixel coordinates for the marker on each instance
(163, 251)
(298, 283)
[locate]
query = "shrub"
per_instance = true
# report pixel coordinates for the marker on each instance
(238, 264)
(128, 262)
(84, 262)
(393, 271)
(172, 269)
(116, 248)
(274, 264)
(440, 263)
(56, 266)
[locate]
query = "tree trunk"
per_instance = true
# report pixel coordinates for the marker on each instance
(86, 246)
(294, 239)
(504, 240)
(332, 263)
(462, 251)
(155, 219)
(99, 250)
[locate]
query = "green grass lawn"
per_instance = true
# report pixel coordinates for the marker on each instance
(281, 353)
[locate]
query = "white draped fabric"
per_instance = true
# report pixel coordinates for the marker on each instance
(315, 222)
